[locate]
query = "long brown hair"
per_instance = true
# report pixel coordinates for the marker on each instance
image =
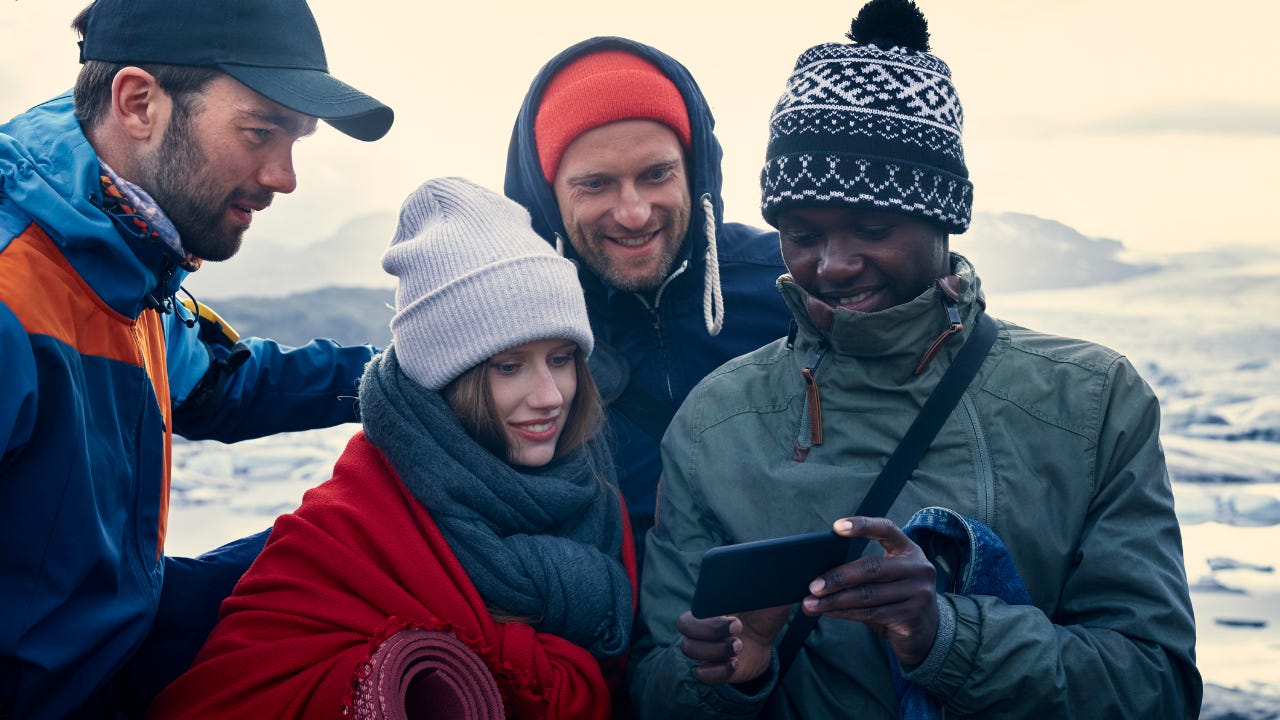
(470, 398)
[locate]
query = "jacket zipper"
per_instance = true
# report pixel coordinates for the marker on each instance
(984, 476)
(657, 320)
(161, 305)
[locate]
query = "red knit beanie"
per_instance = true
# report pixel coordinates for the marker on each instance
(601, 88)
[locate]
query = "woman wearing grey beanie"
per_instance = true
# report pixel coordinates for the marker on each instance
(470, 555)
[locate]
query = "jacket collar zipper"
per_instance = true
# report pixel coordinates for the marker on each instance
(813, 399)
(954, 327)
(160, 299)
(657, 299)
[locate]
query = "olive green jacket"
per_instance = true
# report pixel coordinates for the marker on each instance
(1054, 445)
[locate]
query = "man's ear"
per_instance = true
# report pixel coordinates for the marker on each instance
(139, 105)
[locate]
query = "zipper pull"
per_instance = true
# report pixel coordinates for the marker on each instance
(813, 396)
(954, 327)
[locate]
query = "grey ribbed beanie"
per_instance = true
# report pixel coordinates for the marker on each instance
(475, 280)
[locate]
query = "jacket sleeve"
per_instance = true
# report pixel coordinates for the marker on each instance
(236, 390)
(661, 676)
(1120, 643)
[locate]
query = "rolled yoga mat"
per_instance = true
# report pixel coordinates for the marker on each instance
(426, 674)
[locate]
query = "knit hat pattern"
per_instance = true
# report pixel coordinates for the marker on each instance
(474, 280)
(600, 88)
(869, 127)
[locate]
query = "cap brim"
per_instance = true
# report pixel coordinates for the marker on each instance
(318, 94)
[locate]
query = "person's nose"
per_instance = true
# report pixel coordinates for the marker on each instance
(840, 261)
(633, 209)
(545, 394)
(277, 174)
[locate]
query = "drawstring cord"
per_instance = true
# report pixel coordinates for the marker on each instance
(712, 298)
(195, 312)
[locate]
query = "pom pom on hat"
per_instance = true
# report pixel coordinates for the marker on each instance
(475, 280)
(874, 125)
(601, 88)
(891, 23)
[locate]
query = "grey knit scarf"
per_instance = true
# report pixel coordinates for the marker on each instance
(542, 543)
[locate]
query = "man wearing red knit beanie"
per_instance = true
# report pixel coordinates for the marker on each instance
(614, 155)
(609, 114)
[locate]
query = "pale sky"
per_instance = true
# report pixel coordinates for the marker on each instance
(1154, 123)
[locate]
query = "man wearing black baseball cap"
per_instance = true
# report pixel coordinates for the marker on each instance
(273, 47)
(181, 127)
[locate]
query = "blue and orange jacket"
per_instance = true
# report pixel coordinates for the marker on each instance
(97, 370)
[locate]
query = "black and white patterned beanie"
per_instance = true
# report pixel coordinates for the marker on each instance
(874, 124)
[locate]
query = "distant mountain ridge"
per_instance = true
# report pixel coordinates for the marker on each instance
(336, 287)
(1012, 251)
(1203, 328)
(351, 257)
(1015, 252)
(350, 315)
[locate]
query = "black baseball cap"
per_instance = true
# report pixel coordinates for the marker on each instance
(271, 46)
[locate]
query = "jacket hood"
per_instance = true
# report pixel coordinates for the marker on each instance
(526, 185)
(52, 176)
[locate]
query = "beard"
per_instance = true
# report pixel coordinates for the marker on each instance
(174, 177)
(619, 273)
(631, 275)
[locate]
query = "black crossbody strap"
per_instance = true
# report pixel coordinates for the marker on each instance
(893, 477)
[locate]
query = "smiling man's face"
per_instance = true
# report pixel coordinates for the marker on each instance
(624, 198)
(861, 261)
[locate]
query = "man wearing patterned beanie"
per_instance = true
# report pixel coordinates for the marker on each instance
(614, 155)
(1029, 563)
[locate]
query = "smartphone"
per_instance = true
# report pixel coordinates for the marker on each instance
(765, 573)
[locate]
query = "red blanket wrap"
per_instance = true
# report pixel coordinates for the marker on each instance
(360, 560)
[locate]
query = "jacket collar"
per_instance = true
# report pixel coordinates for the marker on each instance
(903, 332)
(54, 176)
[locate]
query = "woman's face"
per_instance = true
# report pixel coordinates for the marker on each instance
(533, 387)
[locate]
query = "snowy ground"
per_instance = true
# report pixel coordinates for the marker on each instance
(1204, 332)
